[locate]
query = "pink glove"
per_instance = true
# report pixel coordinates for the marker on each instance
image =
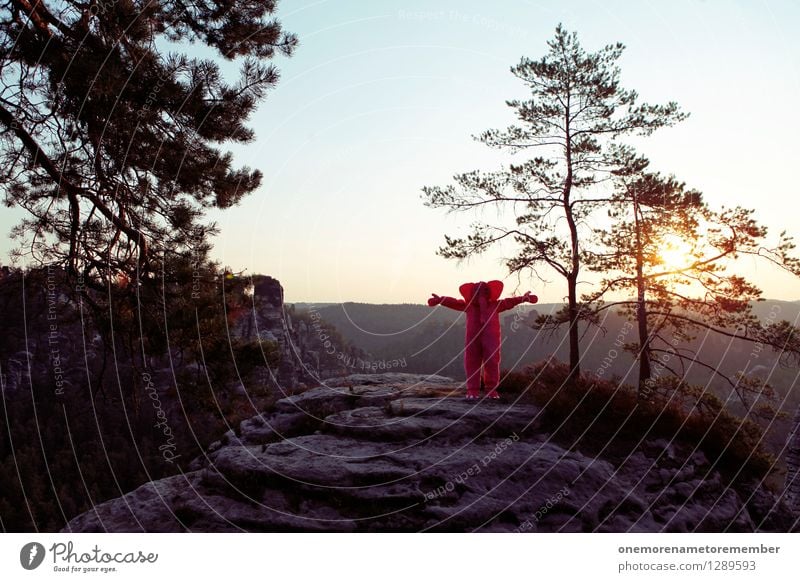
(530, 298)
(434, 300)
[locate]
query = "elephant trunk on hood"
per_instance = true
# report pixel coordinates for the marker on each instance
(483, 302)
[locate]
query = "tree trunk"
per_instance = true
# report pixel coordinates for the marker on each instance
(644, 339)
(572, 278)
(574, 347)
(641, 309)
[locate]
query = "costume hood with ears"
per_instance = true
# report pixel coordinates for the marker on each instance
(468, 290)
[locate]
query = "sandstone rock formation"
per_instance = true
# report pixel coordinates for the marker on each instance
(403, 452)
(303, 351)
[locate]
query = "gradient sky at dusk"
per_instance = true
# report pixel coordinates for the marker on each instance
(381, 98)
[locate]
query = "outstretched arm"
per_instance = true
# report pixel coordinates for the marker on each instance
(511, 302)
(451, 302)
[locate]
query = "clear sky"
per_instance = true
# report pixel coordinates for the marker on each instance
(381, 98)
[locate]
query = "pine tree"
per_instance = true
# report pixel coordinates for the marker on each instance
(112, 145)
(665, 246)
(576, 110)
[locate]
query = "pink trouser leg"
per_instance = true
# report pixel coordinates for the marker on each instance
(472, 365)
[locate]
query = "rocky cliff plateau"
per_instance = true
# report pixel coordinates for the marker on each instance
(404, 452)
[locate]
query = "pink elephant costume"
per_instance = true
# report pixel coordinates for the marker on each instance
(482, 350)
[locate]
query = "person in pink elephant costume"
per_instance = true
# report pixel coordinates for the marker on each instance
(483, 306)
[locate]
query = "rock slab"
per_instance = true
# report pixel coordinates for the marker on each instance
(405, 452)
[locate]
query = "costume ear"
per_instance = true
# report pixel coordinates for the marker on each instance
(495, 290)
(466, 290)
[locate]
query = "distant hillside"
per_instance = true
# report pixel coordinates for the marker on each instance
(432, 340)
(418, 339)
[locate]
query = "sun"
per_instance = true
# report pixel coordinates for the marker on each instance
(675, 253)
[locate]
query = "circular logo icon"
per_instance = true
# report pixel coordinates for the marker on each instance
(31, 555)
